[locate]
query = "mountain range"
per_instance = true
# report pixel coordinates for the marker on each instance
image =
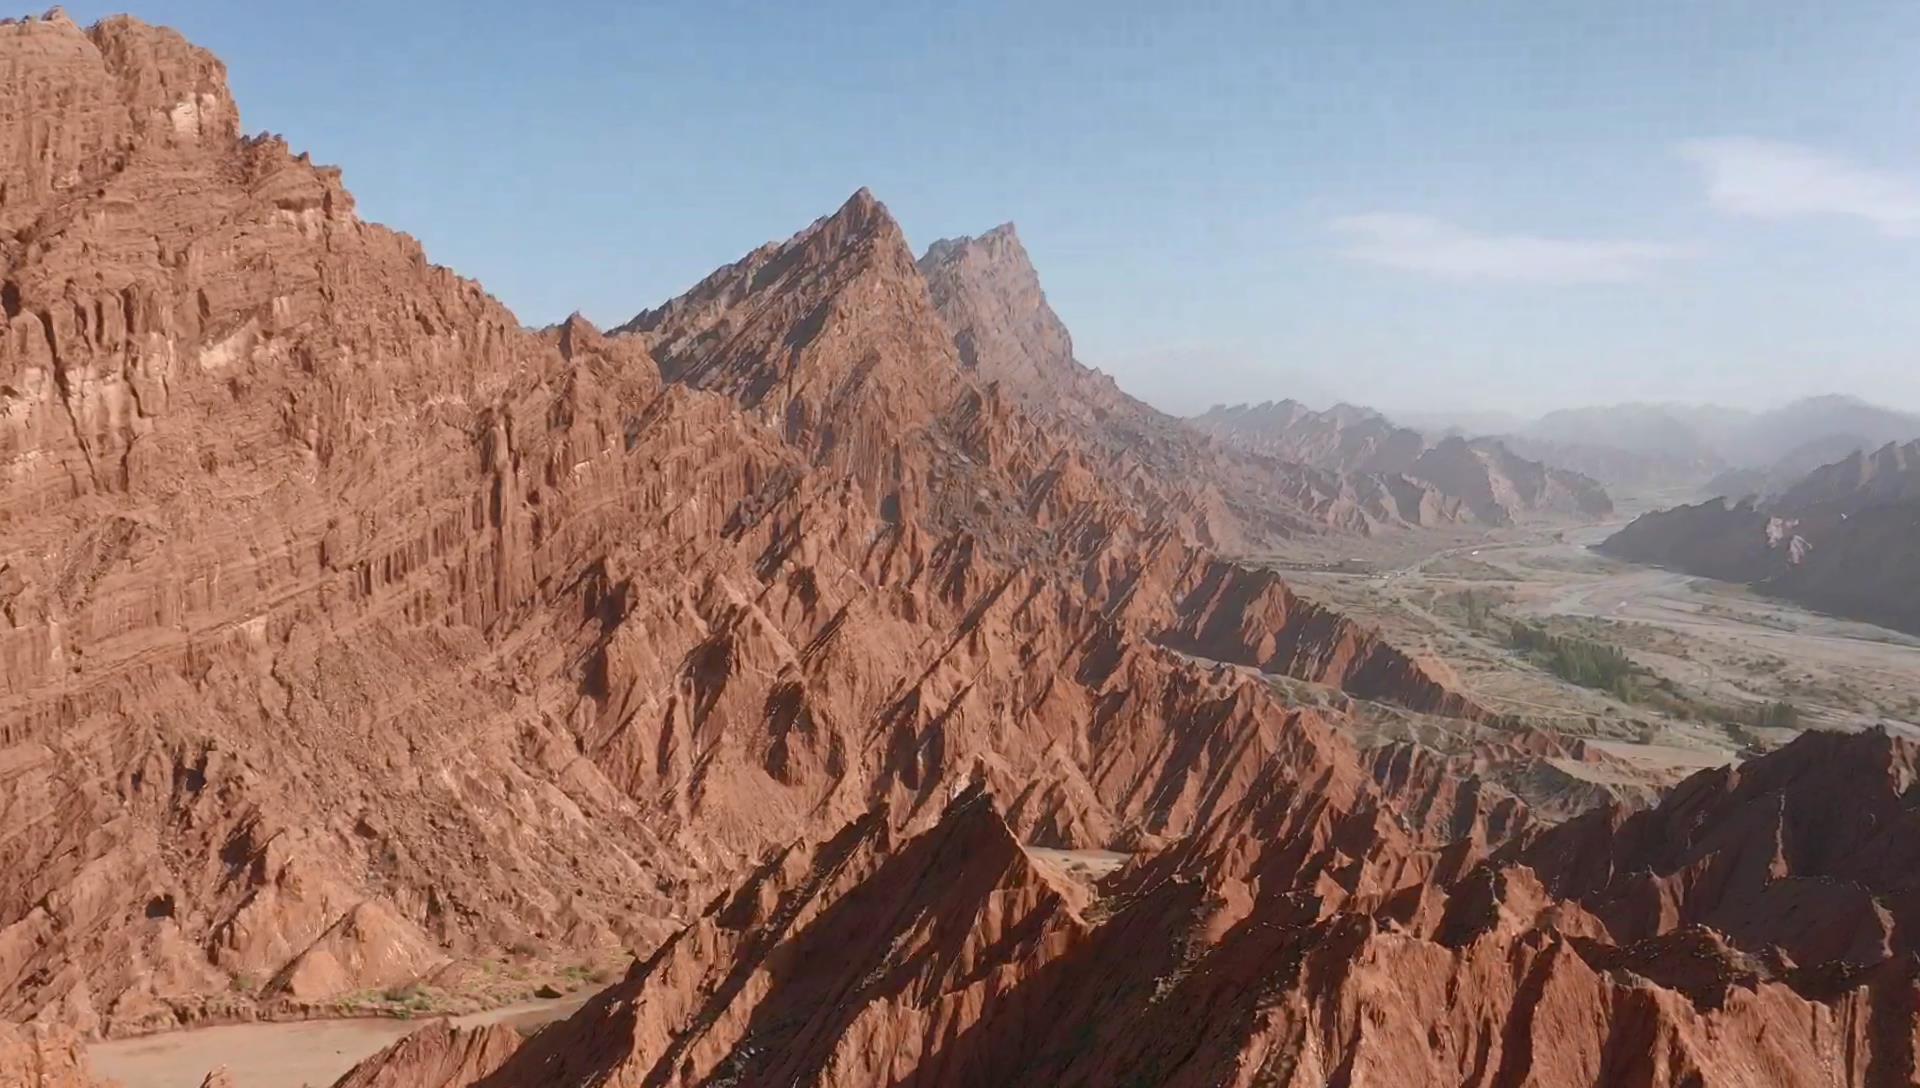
(1493, 484)
(1726, 451)
(788, 650)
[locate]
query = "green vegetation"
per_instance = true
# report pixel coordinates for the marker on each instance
(1777, 716)
(1578, 661)
(408, 1000)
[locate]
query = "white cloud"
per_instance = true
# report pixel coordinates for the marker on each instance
(1418, 243)
(1771, 180)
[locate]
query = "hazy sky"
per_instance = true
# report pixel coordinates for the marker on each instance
(1417, 206)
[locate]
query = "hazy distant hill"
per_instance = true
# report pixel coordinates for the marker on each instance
(1730, 451)
(1844, 538)
(1497, 484)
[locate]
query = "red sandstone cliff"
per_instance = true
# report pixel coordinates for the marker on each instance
(951, 958)
(353, 634)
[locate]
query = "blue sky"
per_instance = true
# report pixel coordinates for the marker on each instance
(1428, 206)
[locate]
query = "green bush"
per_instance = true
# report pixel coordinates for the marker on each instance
(1578, 661)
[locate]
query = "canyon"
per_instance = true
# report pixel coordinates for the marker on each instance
(823, 675)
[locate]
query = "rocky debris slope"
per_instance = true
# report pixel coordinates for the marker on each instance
(354, 639)
(1326, 950)
(1485, 478)
(1841, 539)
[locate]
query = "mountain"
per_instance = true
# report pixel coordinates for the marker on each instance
(1729, 451)
(1771, 480)
(1344, 438)
(1754, 928)
(1497, 486)
(1840, 539)
(1828, 427)
(360, 645)
(353, 637)
(989, 296)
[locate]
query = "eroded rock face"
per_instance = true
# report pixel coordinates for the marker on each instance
(437, 1056)
(1303, 960)
(353, 635)
(43, 1056)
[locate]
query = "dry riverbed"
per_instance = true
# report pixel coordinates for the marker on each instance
(310, 1053)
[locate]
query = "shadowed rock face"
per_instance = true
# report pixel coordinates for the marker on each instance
(1840, 539)
(1306, 951)
(351, 634)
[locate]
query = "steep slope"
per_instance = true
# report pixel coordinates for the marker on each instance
(353, 637)
(1840, 539)
(1324, 951)
(1482, 476)
(989, 297)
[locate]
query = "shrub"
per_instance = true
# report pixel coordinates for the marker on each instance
(1577, 660)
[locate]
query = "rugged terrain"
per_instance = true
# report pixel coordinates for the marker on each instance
(1482, 477)
(1703, 942)
(989, 295)
(365, 651)
(1841, 539)
(902, 720)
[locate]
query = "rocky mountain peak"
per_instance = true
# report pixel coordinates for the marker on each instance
(830, 337)
(80, 103)
(989, 294)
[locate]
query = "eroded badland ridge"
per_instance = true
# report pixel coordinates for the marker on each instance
(355, 637)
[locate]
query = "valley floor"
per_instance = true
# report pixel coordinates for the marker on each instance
(1712, 656)
(283, 1055)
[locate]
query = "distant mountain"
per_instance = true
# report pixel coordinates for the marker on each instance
(1499, 486)
(989, 296)
(1466, 423)
(1771, 480)
(1727, 451)
(1844, 538)
(1831, 424)
(1344, 438)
